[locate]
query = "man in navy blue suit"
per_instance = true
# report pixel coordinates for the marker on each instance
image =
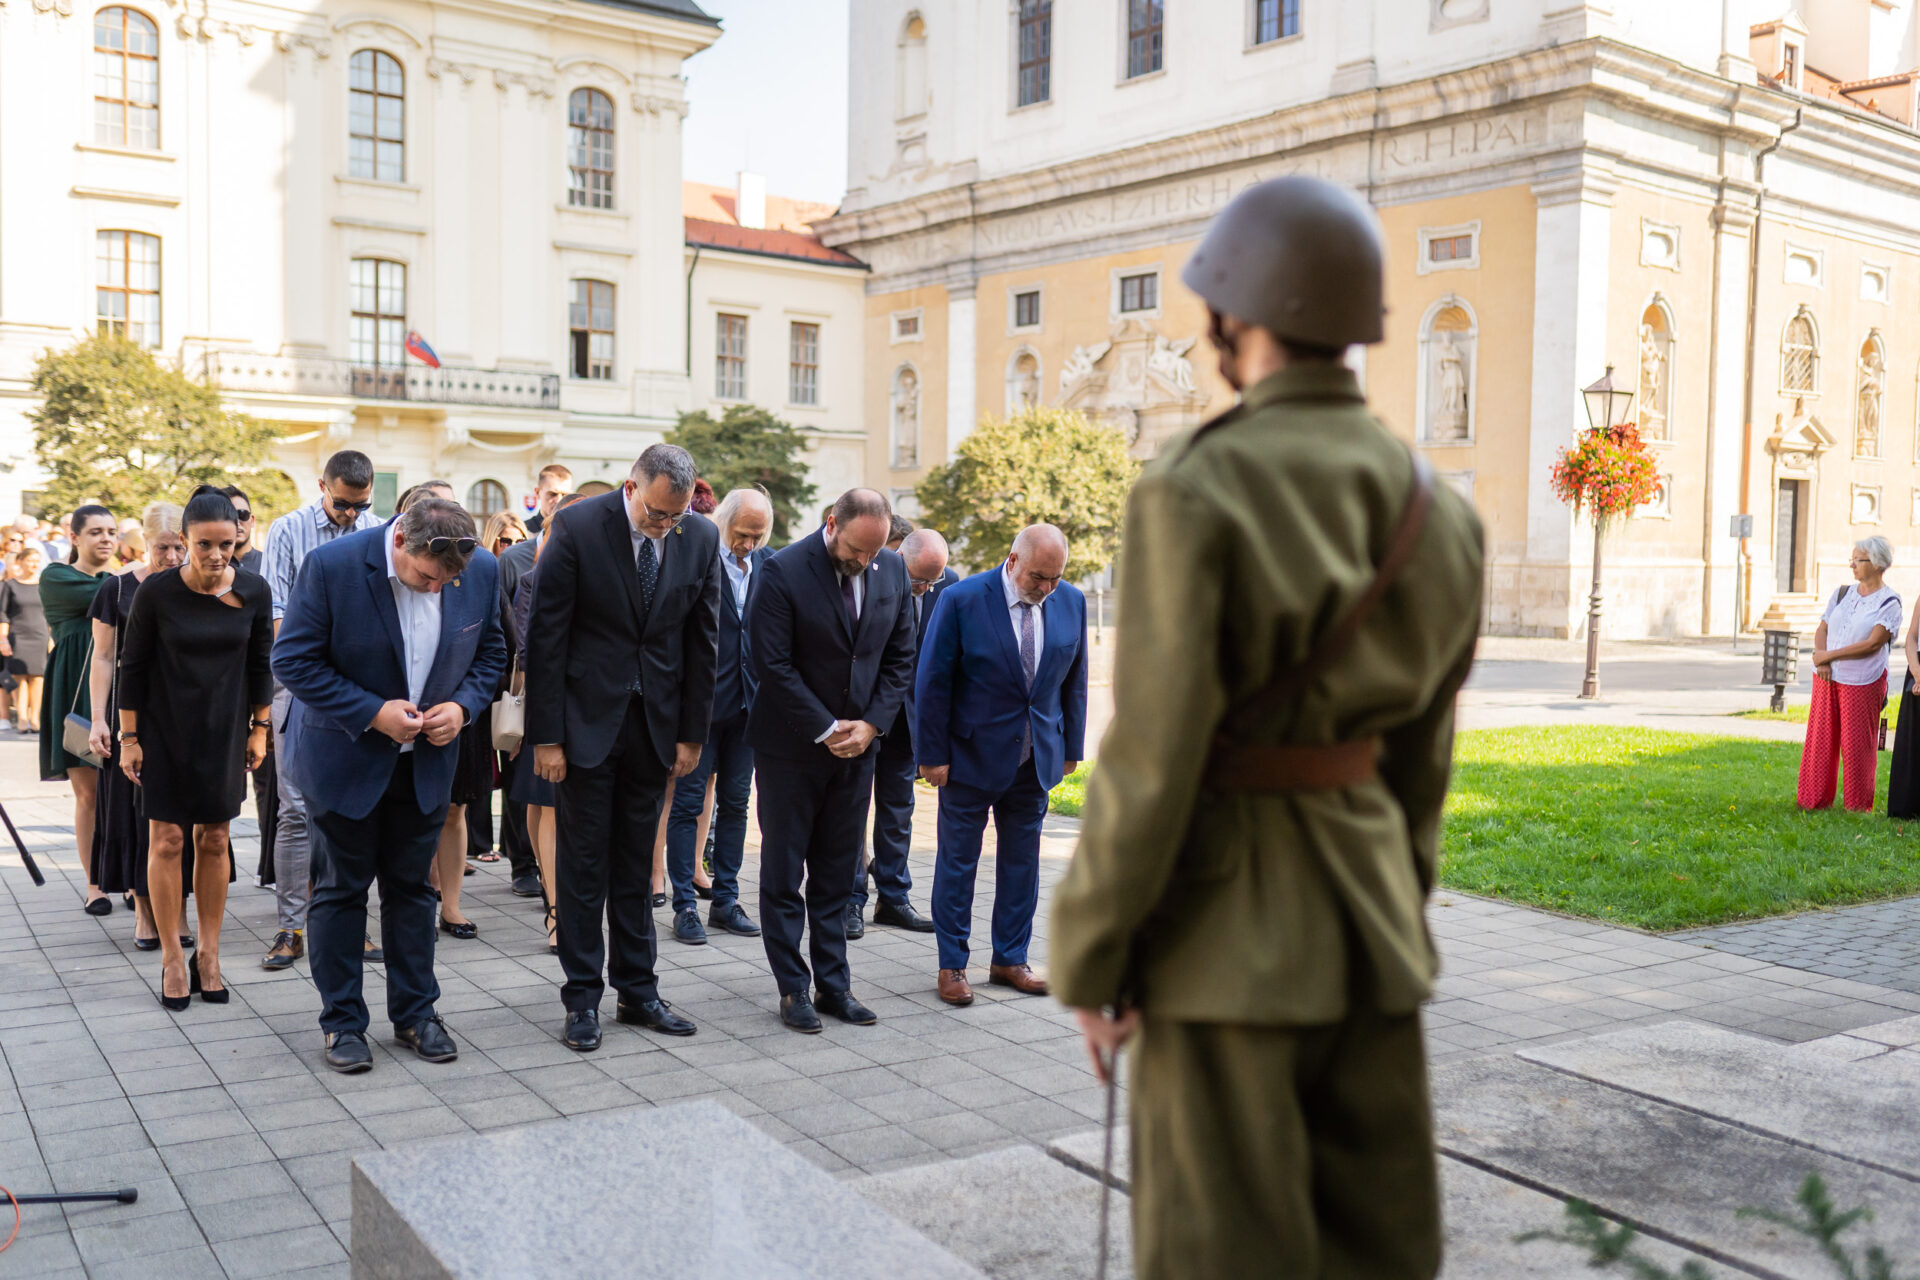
(745, 518)
(376, 716)
(925, 552)
(1000, 718)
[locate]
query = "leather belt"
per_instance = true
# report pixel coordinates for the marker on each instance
(1284, 768)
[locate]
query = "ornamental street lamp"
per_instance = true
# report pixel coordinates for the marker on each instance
(1606, 408)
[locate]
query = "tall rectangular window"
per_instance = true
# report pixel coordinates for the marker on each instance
(126, 79)
(126, 299)
(1145, 25)
(590, 330)
(1026, 309)
(1036, 51)
(1141, 292)
(589, 149)
(377, 330)
(730, 357)
(1275, 20)
(803, 363)
(376, 117)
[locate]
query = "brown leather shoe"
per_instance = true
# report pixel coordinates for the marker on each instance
(287, 947)
(1020, 977)
(953, 987)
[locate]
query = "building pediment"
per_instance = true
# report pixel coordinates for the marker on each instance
(1138, 379)
(1799, 440)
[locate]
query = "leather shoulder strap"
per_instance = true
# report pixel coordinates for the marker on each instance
(1263, 706)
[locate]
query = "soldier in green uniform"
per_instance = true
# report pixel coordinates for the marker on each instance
(1298, 607)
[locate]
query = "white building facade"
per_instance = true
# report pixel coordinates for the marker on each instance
(276, 199)
(1716, 199)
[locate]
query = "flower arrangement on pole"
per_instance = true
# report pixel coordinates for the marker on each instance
(1607, 474)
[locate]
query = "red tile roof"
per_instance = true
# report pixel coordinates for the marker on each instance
(769, 242)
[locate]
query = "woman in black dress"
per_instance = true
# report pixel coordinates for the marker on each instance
(194, 662)
(120, 827)
(23, 633)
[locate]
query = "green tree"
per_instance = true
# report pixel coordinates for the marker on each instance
(118, 427)
(1041, 464)
(748, 446)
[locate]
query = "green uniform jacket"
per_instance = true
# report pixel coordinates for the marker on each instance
(1242, 547)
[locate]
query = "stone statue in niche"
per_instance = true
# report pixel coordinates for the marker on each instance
(1653, 380)
(1026, 383)
(1449, 420)
(906, 419)
(1867, 431)
(1168, 361)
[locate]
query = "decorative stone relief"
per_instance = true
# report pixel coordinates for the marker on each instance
(439, 68)
(1864, 507)
(61, 8)
(288, 41)
(1138, 380)
(536, 86)
(654, 104)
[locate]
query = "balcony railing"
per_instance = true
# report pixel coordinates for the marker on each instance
(449, 384)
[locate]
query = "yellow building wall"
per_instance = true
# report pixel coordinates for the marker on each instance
(885, 358)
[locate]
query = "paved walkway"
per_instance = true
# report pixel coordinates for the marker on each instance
(239, 1139)
(1877, 943)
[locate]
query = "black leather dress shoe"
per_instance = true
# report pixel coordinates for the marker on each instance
(856, 923)
(733, 918)
(428, 1038)
(527, 886)
(583, 1030)
(686, 928)
(902, 917)
(654, 1015)
(347, 1052)
(797, 1012)
(843, 1006)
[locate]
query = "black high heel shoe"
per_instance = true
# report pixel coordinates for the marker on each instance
(193, 976)
(553, 921)
(177, 1004)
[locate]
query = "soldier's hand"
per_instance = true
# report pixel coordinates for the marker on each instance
(1106, 1032)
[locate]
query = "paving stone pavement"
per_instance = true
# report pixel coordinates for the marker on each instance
(1877, 943)
(239, 1138)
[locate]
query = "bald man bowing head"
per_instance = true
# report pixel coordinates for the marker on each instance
(830, 637)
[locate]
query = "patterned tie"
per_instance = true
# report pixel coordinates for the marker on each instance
(1026, 642)
(846, 598)
(649, 575)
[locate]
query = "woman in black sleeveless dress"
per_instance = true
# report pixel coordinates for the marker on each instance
(195, 684)
(1903, 781)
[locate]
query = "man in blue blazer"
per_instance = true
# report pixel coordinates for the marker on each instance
(1000, 717)
(925, 552)
(390, 645)
(745, 518)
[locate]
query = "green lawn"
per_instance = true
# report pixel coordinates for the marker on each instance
(1659, 830)
(1796, 713)
(1071, 793)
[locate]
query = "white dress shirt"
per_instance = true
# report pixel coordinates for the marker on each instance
(739, 575)
(419, 631)
(659, 543)
(1013, 614)
(859, 601)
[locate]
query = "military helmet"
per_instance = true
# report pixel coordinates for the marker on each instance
(1298, 256)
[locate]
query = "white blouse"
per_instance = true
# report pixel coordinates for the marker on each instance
(1851, 618)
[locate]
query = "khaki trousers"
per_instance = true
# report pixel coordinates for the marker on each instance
(1297, 1152)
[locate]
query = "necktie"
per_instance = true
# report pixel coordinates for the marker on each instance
(846, 598)
(1027, 662)
(649, 575)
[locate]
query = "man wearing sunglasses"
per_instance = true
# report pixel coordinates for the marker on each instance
(390, 646)
(344, 505)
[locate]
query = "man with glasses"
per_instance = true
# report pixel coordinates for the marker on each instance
(246, 554)
(344, 505)
(925, 552)
(621, 652)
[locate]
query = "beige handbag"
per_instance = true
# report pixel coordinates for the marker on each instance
(76, 731)
(510, 713)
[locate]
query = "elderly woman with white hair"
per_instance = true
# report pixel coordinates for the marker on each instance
(1850, 682)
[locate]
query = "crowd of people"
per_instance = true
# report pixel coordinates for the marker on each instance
(665, 664)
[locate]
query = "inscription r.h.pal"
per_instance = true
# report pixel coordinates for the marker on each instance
(1444, 144)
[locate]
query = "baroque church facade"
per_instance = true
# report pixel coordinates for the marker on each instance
(1717, 203)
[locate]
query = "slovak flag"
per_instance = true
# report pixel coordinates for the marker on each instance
(417, 348)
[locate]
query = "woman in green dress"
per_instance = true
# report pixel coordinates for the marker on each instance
(66, 593)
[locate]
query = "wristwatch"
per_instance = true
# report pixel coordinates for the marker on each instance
(261, 724)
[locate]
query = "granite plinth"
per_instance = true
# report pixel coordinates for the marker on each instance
(1014, 1213)
(676, 1191)
(1853, 1111)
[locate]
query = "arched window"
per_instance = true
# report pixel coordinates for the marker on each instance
(589, 149)
(376, 117)
(377, 329)
(1656, 371)
(1449, 362)
(126, 79)
(126, 291)
(1800, 356)
(905, 415)
(590, 330)
(910, 68)
(485, 497)
(594, 488)
(1023, 380)
(1870, 390)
